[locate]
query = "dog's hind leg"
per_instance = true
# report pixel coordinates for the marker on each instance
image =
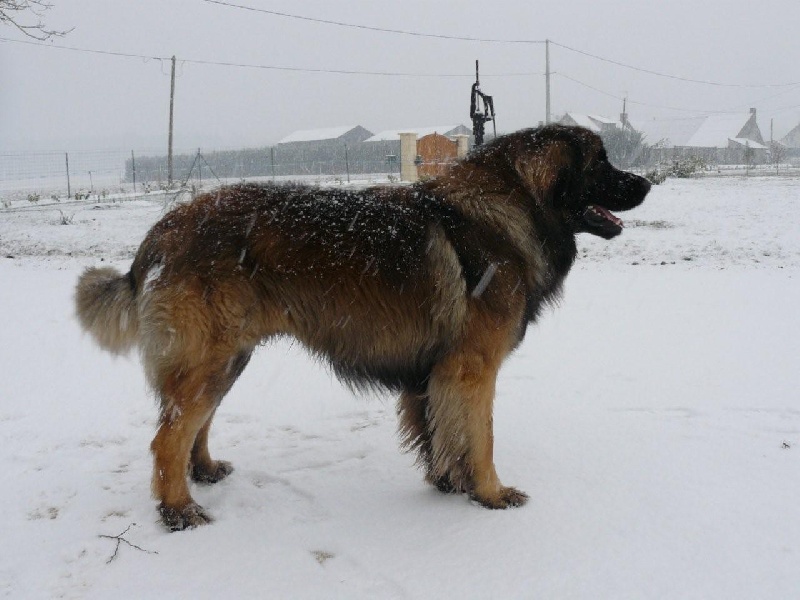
(416, 433)
(189, 397)
(203, 468)
(187, 405)
(412, 411)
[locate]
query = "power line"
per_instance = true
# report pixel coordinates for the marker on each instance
(610, 95)
(261, 66)
(348, 71)
(403, 74)
(494, 41)
(784, 109)
(371, 28)
(86, 50)
(201, 62)
(668, 76)
(731, 110)
(760, 100)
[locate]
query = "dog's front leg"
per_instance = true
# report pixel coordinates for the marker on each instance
(461, 397)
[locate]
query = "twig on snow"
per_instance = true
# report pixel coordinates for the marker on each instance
(121, 538)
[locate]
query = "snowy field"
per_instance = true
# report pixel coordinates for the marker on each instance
(653, 417)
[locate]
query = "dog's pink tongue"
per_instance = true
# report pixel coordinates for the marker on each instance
(607, 214)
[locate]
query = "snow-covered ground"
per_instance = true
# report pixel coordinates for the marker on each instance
(653, 417)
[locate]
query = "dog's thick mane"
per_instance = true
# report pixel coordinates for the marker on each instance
(490, 206)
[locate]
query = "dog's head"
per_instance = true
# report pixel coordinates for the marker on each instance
(566, 169)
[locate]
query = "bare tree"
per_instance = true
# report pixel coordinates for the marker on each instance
(14, 13)
(749, 156)
(777, 153)
(624, 145)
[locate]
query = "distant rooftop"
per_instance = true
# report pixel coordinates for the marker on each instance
(792, 139)
(744, 142)
(315, 135)
(716, 130)
(394, 134)
(596, 123)
(668, 132)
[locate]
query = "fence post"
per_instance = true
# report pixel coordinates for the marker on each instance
(69, 189)
(133, 168)
(171, 106)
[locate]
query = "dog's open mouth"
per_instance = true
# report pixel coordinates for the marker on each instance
(601, 221)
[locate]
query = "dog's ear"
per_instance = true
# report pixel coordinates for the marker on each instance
(550, 171)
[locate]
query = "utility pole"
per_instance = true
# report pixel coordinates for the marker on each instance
(171, 107)
(547, 81)
(69, 188)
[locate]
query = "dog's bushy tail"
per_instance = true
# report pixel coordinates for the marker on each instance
(105, 304)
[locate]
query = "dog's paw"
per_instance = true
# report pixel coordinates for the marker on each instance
(507, 497)
(211, 473)
(190, 516)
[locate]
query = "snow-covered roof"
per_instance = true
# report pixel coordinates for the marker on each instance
(792, 139)
(716, 130)
(394, 134)
(602, 119)
(315, 135)
(582, 121)
(668, 132)
(596, 123)
(748, 143)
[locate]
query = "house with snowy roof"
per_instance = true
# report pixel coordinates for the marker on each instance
(596, 123)
(727, 139)
(346, 134)
(728, 131)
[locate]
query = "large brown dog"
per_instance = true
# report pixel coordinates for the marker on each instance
(423, 289)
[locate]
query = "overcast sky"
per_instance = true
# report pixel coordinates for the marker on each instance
(56, 99)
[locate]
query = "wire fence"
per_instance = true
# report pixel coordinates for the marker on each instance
(39, 175)
(56, 176)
